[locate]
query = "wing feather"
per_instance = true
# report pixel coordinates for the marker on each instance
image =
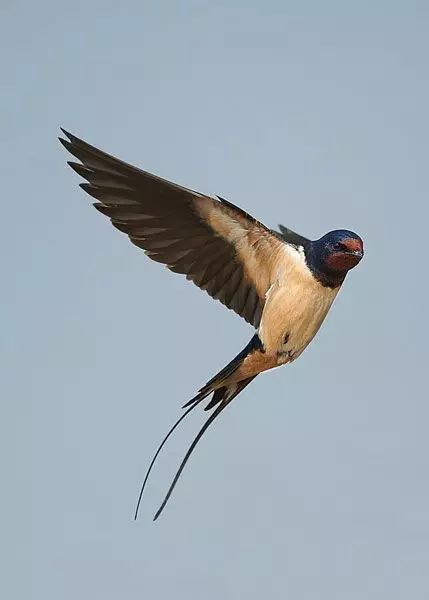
(216, 244)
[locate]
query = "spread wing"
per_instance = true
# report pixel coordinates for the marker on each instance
(291, 237)
(218, 246)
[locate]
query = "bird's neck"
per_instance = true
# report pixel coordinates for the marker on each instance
(315, 262)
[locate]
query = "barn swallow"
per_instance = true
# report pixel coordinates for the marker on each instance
(282, 283)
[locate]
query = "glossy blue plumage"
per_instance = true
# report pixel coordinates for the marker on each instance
(319, 252)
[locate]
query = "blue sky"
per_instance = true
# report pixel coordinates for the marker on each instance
(314, 483)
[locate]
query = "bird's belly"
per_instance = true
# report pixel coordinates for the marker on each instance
(291, 318)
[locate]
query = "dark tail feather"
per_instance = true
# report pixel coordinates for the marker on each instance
(221, 393)
(203, 393)
(222, 397)
(176, 424)
(254, 344)
(187, 456)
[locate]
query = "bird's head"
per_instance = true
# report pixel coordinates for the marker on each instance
(335, 253)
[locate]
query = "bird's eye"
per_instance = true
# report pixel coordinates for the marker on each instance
(339, 246)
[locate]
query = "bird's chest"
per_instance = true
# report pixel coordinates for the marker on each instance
(293, 313)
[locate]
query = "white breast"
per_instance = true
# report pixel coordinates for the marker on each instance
(295, 307)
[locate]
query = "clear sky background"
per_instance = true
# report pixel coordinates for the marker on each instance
(314, 484)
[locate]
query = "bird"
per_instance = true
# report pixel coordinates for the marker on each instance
(280, 282)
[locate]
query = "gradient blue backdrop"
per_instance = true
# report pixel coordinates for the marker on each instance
(314, 483)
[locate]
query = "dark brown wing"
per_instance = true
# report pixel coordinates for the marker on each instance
(291, 237)
(215, 244)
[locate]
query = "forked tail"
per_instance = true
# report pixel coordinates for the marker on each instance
(222, 396)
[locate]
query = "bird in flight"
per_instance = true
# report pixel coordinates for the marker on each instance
(282, 283)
